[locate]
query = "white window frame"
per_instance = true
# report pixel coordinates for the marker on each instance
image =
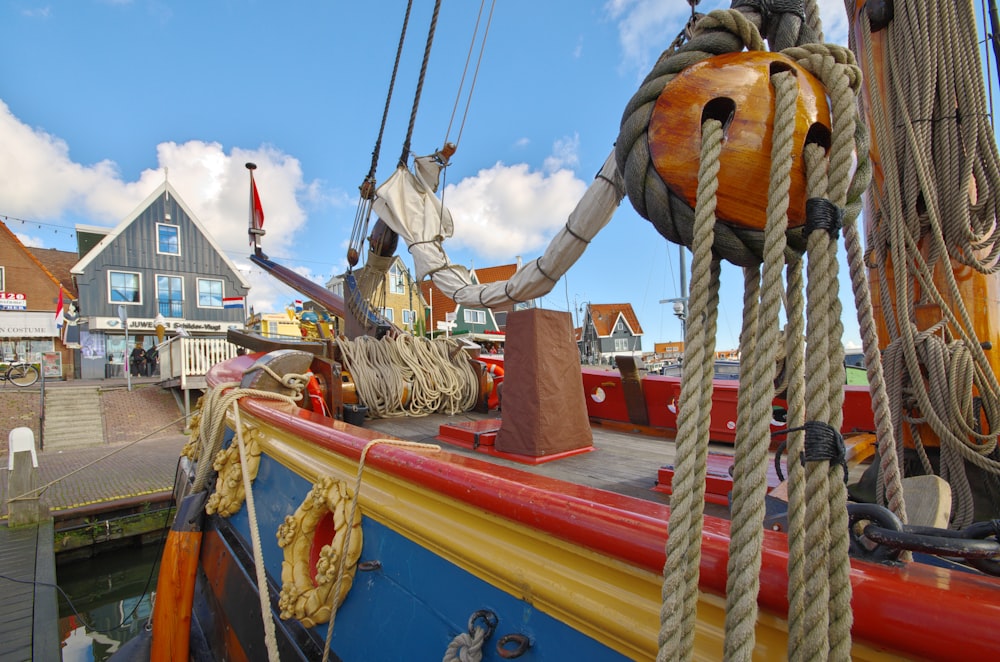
(3, 279)
(222, 291)
(473, 316)
(177, 228)
(156, 294)
(621, 344)
(409, 316)
(138, 276)
(387, 314)
(397, 280)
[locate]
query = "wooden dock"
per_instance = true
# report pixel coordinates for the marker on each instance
(29, 610)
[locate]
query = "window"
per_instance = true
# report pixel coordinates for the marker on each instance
(387, 314)
(3, 281)
(397, 279)
(409, 317)
(475, 316)
(209, 293)
(621, 344)
(168, 239)
(124, 287)
(170, 295)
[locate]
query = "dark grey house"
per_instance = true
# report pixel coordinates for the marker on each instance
(158, 266)
(609, 330)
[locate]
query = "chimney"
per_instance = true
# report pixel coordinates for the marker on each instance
(519, 265)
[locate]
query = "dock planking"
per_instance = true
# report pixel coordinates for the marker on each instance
(29, 611)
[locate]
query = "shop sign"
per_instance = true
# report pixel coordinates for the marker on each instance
(13, 301)
(18, 324)
(146, 324)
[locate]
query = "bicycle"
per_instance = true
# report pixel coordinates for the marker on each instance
(20, 374)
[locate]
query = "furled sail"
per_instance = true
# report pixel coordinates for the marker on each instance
(407, 203)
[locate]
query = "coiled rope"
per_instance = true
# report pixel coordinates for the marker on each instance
(936, 148)
(410, 376)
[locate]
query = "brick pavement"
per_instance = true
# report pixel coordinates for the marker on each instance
(133, 470)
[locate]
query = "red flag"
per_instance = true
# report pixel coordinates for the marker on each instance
(258, 211)
(60, 315)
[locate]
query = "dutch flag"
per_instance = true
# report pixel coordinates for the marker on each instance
(233, 302)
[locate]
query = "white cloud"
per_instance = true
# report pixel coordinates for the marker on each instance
(41, 182)
(37, 12)
(28, 240)
(647, 27)
(565, 154)
(506, 210)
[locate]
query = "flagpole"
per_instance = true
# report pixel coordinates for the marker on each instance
(255, 231)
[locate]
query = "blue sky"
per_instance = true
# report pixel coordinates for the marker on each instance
(98, 98)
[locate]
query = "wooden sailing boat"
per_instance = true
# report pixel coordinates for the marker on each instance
(325, 538)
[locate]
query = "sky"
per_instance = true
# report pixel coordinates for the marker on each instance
(100, 100)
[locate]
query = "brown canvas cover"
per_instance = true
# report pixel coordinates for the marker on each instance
(543, 406)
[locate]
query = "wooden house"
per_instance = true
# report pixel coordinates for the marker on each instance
(158, 267)
(609, 330)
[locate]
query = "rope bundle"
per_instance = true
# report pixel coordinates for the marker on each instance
(937, 210)
(819, 588)
(409, 376)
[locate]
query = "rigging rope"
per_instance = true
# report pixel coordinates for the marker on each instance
(819, 564)
(937, 210)
(363, 213)
(404, 156)
(475, 75)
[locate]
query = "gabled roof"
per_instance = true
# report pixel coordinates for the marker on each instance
(165, 187)
(66, 284)
(59, 264)
(604, 316)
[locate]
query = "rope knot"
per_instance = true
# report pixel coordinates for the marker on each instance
(821, 214)
(823, 442)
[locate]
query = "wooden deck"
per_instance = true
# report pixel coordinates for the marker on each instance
(622, 462)
(29, 611)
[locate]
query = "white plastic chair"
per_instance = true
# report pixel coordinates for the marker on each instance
(21, 439)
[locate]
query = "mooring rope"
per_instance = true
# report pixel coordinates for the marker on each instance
(263, 591)
(342, 564)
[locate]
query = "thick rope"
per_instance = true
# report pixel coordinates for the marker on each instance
(795, 440)
(750, 465)
(408, 376)
(937, 147)
(678, 613)
(824, 629)
(263, 591)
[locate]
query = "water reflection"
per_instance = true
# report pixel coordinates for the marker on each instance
(107, 592)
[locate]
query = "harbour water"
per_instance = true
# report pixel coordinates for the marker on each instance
(111, 598)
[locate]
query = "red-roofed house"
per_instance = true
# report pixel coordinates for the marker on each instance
(31, 281)
(468, 319)
(609, 329)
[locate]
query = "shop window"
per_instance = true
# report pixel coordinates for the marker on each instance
(209, 293)
(170, 295)
(124, 287)
(168, 239)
